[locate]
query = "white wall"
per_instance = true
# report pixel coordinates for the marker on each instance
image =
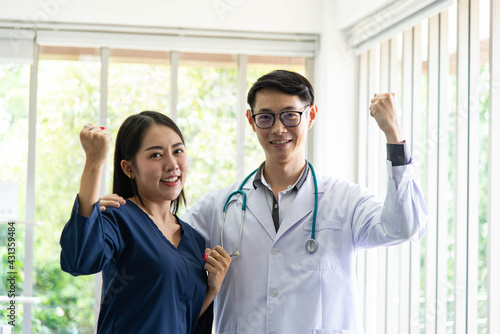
(335, 137)
(348, 12)
(246, 15)
(301, 16)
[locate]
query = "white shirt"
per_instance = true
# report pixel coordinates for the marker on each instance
(275, 285)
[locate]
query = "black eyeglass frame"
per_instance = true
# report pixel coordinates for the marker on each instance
(281, 119)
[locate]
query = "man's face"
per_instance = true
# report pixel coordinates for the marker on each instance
(282, 144)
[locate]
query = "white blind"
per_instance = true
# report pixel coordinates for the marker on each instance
(184, 40)
(16, 46)
(445, 71)
(397, 16)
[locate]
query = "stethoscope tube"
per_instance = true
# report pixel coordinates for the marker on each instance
(311, 244)
(243, 209)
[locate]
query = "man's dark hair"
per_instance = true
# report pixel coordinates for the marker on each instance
(288, 82)
(128, 142)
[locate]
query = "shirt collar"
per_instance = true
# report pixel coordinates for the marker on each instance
(258, 176)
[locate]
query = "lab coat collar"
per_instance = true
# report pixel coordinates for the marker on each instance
(301, 207)
(258, 206)
(257, 181)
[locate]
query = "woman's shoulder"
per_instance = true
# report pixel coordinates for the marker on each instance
(129, 208)
(127, 214)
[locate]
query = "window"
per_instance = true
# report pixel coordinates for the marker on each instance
(68, 98)
(442, 71)
(14, 81)
(207, 115)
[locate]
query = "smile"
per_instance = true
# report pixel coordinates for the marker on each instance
(170, 179)
(280, 142)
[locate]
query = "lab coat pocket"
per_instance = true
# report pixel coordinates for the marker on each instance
(329, 238)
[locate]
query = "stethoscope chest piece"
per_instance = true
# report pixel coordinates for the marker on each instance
(311, 246)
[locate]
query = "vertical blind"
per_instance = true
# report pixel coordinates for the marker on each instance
(445, 73)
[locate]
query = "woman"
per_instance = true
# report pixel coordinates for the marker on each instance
(154, 265)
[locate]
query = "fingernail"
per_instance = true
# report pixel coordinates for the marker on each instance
(102, 127)
(205, 257)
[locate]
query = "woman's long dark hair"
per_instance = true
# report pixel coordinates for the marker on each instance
(128, 141)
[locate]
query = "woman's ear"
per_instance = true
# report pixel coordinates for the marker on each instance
(127, 168)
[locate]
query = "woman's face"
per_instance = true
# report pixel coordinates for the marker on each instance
(160, 166)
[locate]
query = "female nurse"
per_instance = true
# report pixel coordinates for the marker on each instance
(157, 275)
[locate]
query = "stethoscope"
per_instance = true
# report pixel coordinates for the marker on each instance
(311, 244)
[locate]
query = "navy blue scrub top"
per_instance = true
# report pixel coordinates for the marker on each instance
(149, 285)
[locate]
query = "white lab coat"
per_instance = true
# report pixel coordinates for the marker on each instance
(275, 285)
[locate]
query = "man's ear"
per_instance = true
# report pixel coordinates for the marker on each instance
(250, 119)
(127, 168)
(313, 112)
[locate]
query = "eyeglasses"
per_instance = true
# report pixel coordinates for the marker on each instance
(288, 118)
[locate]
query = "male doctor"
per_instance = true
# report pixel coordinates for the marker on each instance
(277, 283)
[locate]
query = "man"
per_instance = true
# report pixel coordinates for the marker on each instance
(293, 273)
(276, 285)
